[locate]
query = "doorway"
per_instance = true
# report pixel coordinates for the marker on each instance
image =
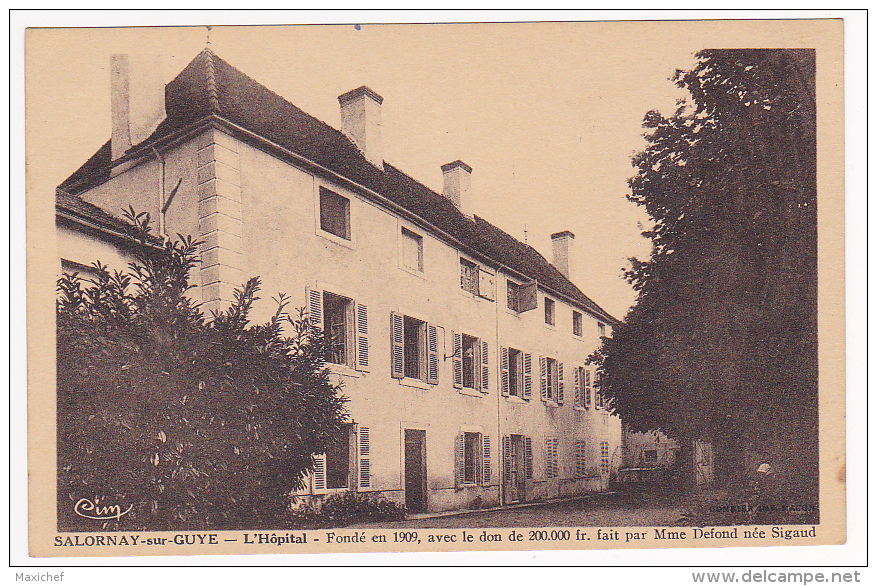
(415, 470)
(515, 479)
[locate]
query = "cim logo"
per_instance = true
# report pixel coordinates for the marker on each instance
(91, 510)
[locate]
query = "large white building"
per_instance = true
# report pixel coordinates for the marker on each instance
(461, 349)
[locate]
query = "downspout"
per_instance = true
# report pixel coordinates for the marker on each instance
(162, 231)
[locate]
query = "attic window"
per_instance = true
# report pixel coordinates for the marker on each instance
(334, 213)
(469, 276)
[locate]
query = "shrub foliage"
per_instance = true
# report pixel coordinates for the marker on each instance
(193, 421)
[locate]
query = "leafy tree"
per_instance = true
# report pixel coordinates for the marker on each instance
(722, 341)
(195, 422)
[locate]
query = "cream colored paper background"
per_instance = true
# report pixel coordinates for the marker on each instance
(44, 48)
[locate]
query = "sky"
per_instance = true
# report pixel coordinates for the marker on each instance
(547, 114)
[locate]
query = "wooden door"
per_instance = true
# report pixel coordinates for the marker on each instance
(415, 470)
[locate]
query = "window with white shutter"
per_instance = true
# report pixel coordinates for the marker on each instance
(315, 307)
(432, 376)
(587, 389)
(318, 476)
(528, 458)
(485, 460)
(581, 458)
(458, 360)
(397, 340)
(361, 337)
(459, 460)
(559, 396)
(543, 377)
(528, 375)
(485, 368)
(507, 458)
(504, 370)
(364, 458)
(551, 463)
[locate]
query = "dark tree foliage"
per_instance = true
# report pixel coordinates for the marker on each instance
(196, 422)
(722, 341)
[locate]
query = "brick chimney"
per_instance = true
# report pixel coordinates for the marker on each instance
(361, 122)
(562, 245)
(458, 185)
(136, 100)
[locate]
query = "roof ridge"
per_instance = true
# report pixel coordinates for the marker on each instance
(212, 95)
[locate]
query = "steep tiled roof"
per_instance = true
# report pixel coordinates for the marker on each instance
(210, 86)
(77, 208)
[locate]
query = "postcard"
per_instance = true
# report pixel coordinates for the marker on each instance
(435, 287)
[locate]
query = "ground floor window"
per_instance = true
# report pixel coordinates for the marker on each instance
(470, 467)
(581, 458)
(338, 461)
(604, 457)
(473, 454)
(551, 458)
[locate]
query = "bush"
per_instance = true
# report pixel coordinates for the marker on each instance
(192, 421)
(343, 509)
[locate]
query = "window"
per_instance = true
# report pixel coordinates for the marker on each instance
(470, 351)
(581, 458)
(472, 459)
(414, 330)
(514, 296)
(334, 213)
(337, 317)
(583, 387)
(587, 389)
(412, 250)
(333, 469)
(576, 323)
(414, 349)
(601, 329)
(516, 373)
(650, 456)
(549, 311)
(338, 460)
(471, 368)
(345, 325)
(599, 400)
(551, 459)
(551, 380)
(468, 276)
(604, 457)
(521, 297)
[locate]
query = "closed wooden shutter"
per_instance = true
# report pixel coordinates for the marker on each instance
(578, 386)
(528, 458)
(485, 465)
(581, 458)
(361, 337)
(397, 340)
(318, 485)
(485, 369)
(432, 362)
(528, 375)
(459, 460)
(587, 389)
(507, 457)
(543, 377)
(364, 458)
(315, 307)
(559, 397)
(458, 360)
(504, 369)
